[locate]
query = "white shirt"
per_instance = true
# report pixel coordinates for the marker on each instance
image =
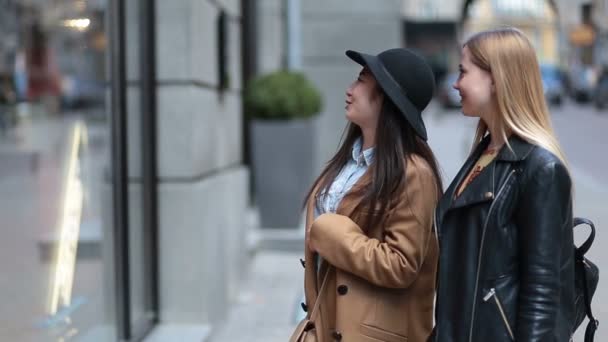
(328, 201)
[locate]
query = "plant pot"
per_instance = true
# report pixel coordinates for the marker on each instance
(282, 167)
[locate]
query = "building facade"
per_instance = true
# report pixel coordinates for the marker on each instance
(124, 190)
(556, 27)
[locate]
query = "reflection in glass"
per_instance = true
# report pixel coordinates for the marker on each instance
(55, 203)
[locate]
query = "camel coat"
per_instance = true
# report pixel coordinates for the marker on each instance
(382, 285)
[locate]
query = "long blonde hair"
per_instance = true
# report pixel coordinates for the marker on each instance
(522, 109)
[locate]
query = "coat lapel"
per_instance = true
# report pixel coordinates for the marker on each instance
(481, 189)
(520, 149)
(448, 198)
(310, 265)
(346, 207)
(312, 280)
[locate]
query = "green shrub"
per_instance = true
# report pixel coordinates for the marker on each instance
(282, 95)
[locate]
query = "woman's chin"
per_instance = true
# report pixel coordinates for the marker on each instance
(467, 112)
(349, 116)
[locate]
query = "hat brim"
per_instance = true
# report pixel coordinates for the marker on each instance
(392, 89)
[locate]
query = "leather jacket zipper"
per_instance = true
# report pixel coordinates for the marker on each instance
(492, 294)
(483, 235)
(438, 265)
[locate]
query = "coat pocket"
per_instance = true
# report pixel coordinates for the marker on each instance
(380, 334)
(493, 296)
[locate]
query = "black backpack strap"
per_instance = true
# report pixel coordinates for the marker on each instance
(584, 248)
(580, 256)
(593, 323)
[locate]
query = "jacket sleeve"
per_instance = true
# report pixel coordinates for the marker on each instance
(542, 217)
(396, 261)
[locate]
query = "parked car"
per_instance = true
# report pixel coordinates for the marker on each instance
(80, 92)
(447, 95)
(553, 83)
(7, 102)
(601, 91)
(582, 80)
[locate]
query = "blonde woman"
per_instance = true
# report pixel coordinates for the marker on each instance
(506, 266)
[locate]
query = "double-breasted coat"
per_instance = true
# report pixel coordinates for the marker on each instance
(381, 283)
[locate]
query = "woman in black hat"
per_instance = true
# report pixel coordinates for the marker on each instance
(371, 254)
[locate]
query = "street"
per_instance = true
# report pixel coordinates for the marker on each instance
(270, 299)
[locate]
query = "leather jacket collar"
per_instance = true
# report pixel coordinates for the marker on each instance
(484, 188)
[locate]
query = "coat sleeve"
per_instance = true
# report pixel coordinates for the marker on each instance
(543, 219)
(396, 261)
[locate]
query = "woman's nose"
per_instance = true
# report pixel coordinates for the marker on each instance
(349, 90)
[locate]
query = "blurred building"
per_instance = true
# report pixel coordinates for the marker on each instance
(202, 182)
(124, 193)
(563, 31)
(434, 28)
(328, 29)
(538, 19)
(124, 158)
(601, 18)
(584, 28)
(125, 190)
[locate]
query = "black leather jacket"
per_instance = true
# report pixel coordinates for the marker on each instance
(506, 265)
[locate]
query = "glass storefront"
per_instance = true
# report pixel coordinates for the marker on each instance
(58, 179)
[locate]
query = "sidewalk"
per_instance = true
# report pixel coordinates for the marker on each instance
(270, 296)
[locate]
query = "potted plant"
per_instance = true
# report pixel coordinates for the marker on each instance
(281, 107)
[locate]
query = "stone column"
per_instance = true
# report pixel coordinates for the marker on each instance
(203, 184)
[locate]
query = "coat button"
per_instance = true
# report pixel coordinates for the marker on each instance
(342, 290)
(489, 195)
(337, 336)
(304, 307)
(303, 263)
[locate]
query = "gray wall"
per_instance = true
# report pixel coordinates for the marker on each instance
(329, 28)
(270, 35)
(203, 184)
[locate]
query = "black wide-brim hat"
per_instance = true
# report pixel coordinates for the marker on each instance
(406, 79)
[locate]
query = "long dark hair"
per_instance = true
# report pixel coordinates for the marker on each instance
(396, 140)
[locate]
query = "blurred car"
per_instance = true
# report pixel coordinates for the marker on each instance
(553, 83)
(447, 95)
(601, 91)
(80, 92)
(7, 101)
(582, 81)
